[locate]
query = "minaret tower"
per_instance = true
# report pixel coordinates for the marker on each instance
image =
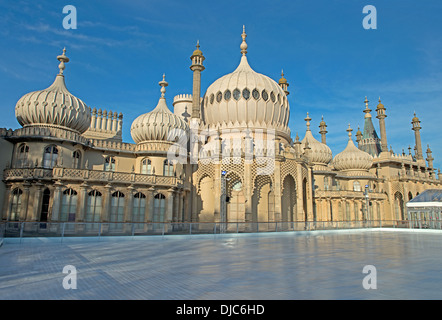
(381, 116)
(358, 136)
(323, 130)
(417, 136)
(197, 66)
(429, 157)
(283, 83)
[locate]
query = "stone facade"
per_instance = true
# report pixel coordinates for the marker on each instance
(225, 157)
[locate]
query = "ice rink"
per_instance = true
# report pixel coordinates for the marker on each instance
(290, 265)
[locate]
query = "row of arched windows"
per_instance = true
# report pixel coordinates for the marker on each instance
(94, 206)
(50, 157)
(51, 153)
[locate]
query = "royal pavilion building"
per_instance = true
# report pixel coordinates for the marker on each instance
(226, 155)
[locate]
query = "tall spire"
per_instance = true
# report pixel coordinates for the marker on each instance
(244, 43)
(369, 142)
(63, 59)
(323, 130)
(197, 67)
(417, 136)
(380, 109)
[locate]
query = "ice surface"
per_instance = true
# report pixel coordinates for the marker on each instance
(291, 265)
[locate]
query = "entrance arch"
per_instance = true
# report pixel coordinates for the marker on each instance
(288, 201)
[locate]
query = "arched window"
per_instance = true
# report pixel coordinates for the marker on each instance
(356, 211)
(22, 156)
(94, 207)
(15, 205)
(159, 206)
(76, 159)
(109, 164)
(146, 166)
(68, 205)
(326, 183)
(117, 209)
(347, 211)
(139, 206)
(50, 157)
(356, 186)
(168, 168)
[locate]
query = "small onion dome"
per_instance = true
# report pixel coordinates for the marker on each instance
(282, 80)
(197, 51)
(415, 118)
(54, 106)
(159, 124)
(320, 153)
(352, 159)
(380, 105)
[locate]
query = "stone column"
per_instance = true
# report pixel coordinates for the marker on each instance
(37, 201)
(309, 195)
(169, 205)
(7, 203)
(56, 204)
(107, 203)
(25, 202)
(217, 191)
(248, 193)
(175, 206)
(148, 216)
(277, 190)
(82, 201)
(186, 207)
(128, 204)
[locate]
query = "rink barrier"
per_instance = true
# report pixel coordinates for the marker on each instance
(36, 229)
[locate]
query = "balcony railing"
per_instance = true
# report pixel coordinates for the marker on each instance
(32, 229)
(89, 175)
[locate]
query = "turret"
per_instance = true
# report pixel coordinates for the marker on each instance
(381, 116)
(323, 130)
(197, 67)
(417, 136)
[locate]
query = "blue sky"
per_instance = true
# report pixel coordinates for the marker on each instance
(120, 50)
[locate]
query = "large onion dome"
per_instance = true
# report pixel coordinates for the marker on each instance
(352, 159)
(320, 153)
(54, 106)
(245, 98)
(160, 124)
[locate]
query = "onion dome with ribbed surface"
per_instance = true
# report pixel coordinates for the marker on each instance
(351, 158)
(159, 124)
(54, 106)
(320, 153)
(246, 99)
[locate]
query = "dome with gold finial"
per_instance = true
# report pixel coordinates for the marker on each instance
(197, 51)
(160, 124)
(54, 106)
(352, 159)
(246, 99)
(282, 80)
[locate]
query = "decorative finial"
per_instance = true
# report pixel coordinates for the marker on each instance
(308, 119)
(243, 44)
(63, 59)
(349, 130)
(163, 85)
